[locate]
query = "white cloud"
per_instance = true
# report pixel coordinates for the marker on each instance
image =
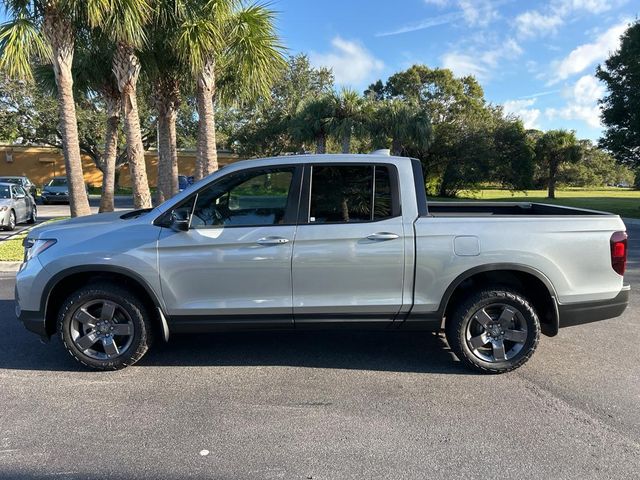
(480, 64)
(534, 23)
(582, 102)
(479, 12)
(591, 6)
(471, 12)
(351, 62)
(463, 64)
(437, 3)
(586, 55)
(522, 109)
(544, 21)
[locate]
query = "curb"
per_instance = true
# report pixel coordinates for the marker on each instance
(9, 267)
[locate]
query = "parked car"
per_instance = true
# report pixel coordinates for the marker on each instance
(56, 191)
(184, 181)
(24, 182)
(322, 241)
(16, 206)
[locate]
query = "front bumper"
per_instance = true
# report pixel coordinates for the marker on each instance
(34, 321)
(587, 312)
(52, 197)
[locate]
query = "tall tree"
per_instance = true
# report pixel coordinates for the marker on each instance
(164, 70)
(399, 124)
(312, 122)
(46, 29)
(554, 149)
(621, 105)
(263, 127)
(347, 116)
(126, 24)
(94, 76)
(234, 53)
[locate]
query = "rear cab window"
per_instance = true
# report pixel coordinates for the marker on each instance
(352, 193)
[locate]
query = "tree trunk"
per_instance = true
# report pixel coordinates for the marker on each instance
(60, 34)
(167, 101)
(321, 144)
(207, 153)
(114, 106)
(396, 147)
(346, 142)
(551, 185)
(126, 68)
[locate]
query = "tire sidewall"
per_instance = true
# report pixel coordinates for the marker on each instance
(136, 311)
(483, 299)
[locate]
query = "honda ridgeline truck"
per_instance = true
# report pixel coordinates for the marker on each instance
(322, 241)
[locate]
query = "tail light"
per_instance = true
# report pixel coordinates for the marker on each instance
(619, 252)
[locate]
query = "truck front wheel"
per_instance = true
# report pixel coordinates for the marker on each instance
(104, 326)
(494, 330)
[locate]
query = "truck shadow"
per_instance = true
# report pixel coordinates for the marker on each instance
(355, 350)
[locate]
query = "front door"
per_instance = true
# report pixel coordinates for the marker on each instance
(348, 257)
(233, 265)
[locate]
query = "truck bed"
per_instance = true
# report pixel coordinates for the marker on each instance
(483, 209)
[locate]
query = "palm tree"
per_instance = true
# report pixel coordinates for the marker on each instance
(164, 71)
(405, 124)
(347, 116)
(93, 78)
(44, 30)
(312, 122)
(125, 25)
(234, 54)
(554, 148)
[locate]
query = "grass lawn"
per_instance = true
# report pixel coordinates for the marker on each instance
(11, 250)
(623, 201)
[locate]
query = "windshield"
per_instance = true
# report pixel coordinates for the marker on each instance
(10, 180)
(4, 191)
(58, 182)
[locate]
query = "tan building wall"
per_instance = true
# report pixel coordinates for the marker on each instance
(42, 163)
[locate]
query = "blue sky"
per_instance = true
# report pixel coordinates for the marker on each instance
(537, 58)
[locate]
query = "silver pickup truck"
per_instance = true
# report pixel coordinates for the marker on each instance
(322, 241)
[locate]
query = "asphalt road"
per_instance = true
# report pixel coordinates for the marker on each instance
(324, 406)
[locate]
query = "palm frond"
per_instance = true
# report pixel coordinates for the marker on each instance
(254, 57)
(21, 42)
(126, 21)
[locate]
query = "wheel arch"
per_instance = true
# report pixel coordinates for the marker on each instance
(61, 285)
(536, 285)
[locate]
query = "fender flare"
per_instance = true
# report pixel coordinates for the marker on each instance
(97, 269)
(549, 329)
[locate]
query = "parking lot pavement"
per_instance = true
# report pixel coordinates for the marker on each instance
(321, 405)
(48, 212)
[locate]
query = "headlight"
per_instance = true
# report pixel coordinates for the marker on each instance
(33, 248)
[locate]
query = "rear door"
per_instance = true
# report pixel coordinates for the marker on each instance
(20, 201)
(348, 256)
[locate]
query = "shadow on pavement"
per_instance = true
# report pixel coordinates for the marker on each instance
(348, 349)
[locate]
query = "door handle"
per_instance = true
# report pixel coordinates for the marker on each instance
(383, 236)
(272, 241)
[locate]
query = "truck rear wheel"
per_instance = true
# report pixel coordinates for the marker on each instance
(494, 330)
(105, 327)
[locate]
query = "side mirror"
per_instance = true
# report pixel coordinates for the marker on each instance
(20, 195)
(178, 223)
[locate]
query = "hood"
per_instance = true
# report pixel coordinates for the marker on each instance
(51, 229)
(56, 189)
(5, 201)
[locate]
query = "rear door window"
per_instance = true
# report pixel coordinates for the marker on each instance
(350, 194)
